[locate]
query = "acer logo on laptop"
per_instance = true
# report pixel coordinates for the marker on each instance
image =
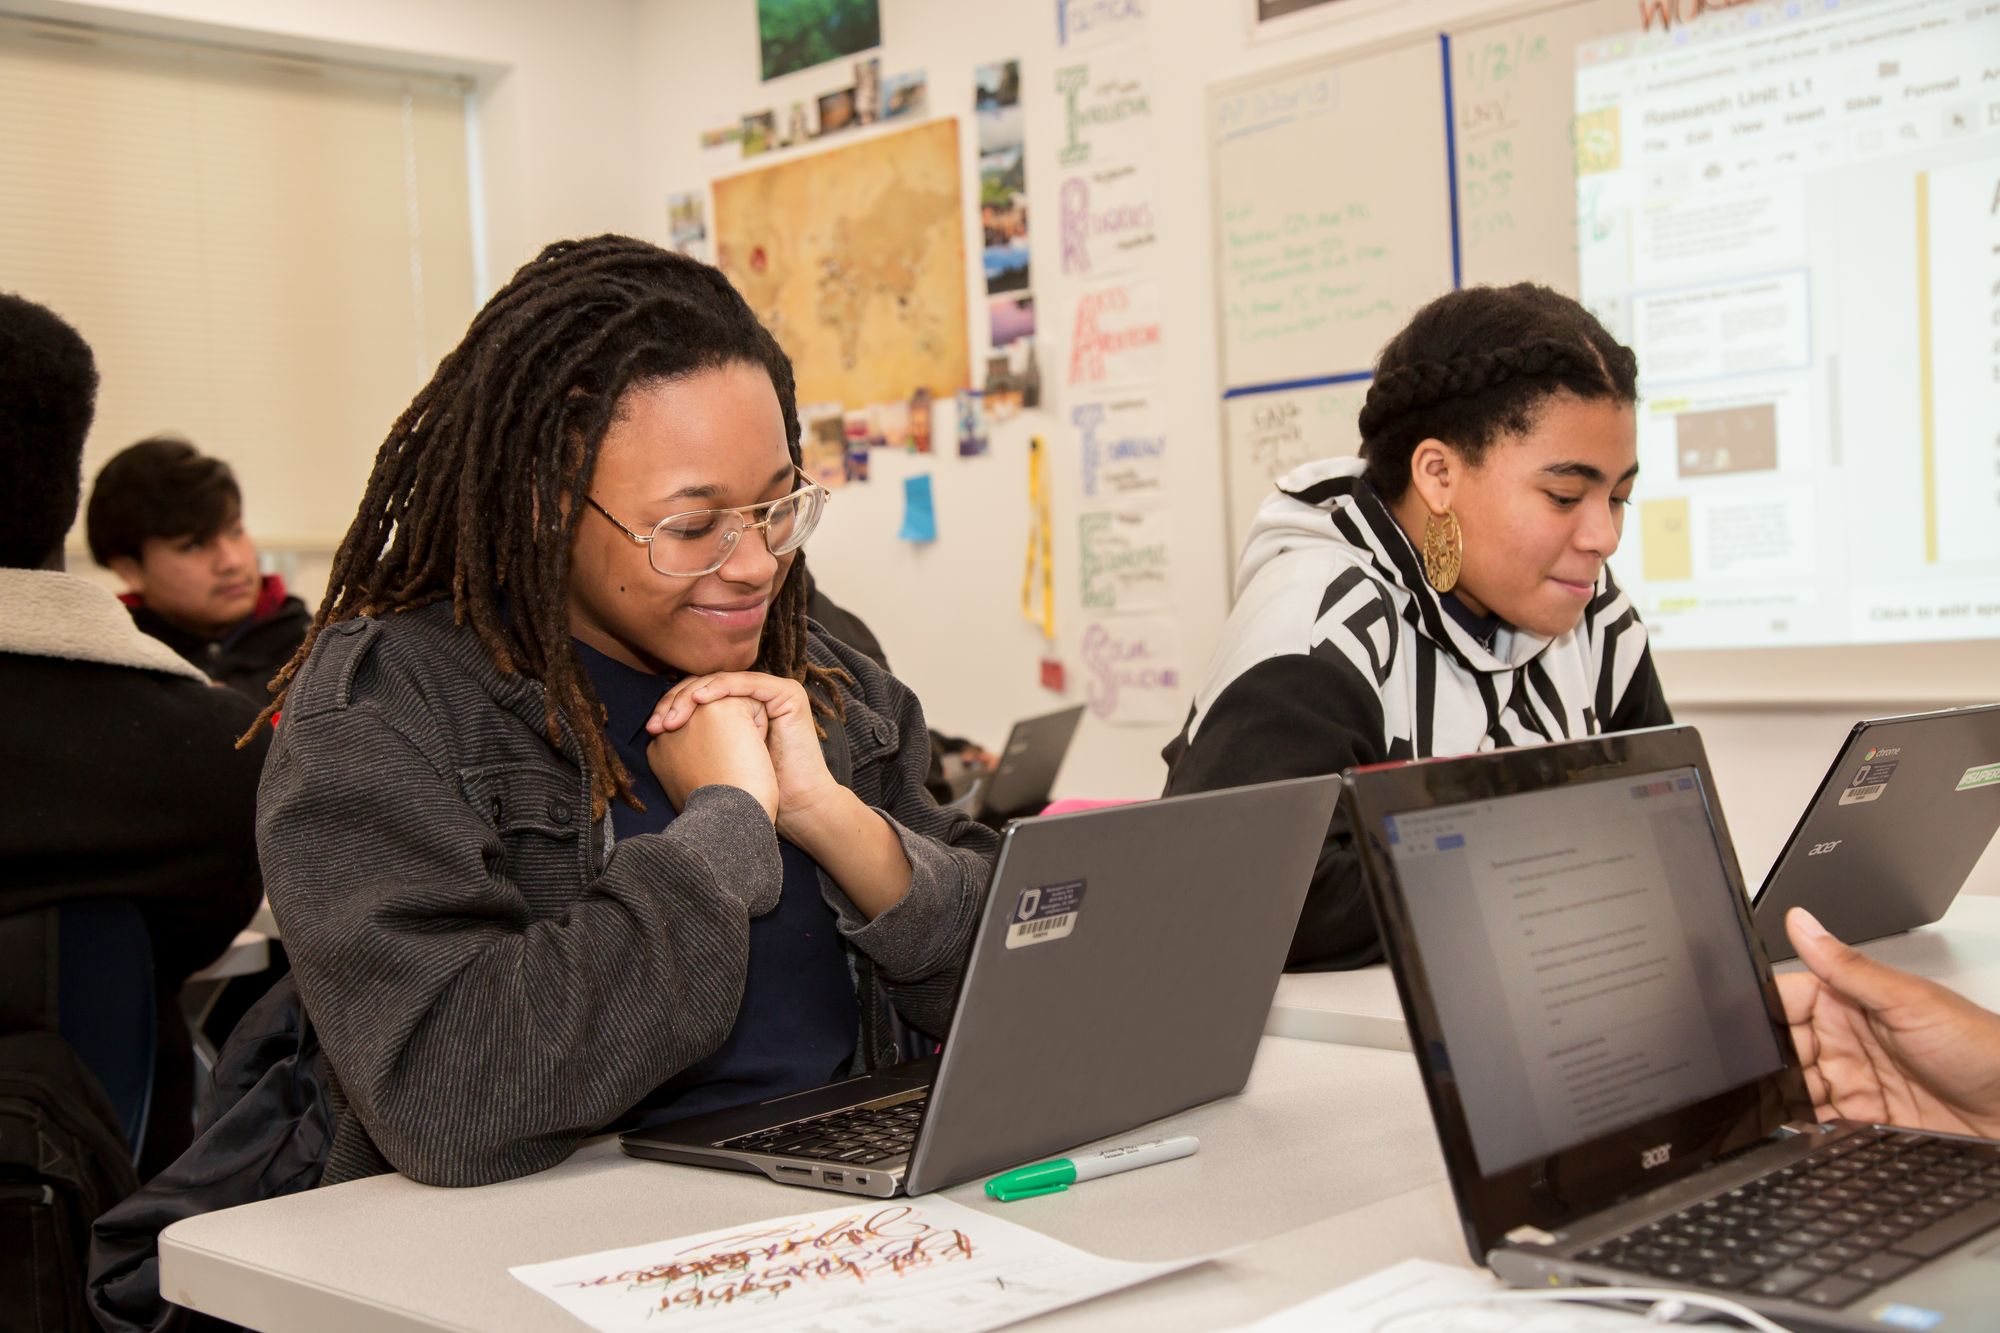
(1652, 1157)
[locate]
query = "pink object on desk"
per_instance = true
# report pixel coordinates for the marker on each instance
(1071, 805)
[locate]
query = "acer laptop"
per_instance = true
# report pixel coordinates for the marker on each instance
(1607, 1060)
(1021, 781)
(1896, 826)
(1076, 1017)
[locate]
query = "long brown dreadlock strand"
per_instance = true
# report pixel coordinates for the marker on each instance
(477, 491)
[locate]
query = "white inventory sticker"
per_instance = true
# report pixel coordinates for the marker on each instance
(1045, 913)
(1869, 782)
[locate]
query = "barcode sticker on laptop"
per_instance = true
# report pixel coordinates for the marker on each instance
(1044, 913)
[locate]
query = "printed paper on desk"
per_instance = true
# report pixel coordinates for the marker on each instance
(872, 1267)
(1420, 1296)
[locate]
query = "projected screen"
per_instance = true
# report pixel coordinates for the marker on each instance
(1792, 213)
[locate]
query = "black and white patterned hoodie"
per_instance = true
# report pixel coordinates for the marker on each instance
(1338, 652)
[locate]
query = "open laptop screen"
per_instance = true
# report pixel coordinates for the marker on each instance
(1588, 967)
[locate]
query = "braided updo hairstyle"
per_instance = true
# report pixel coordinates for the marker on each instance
(1480, 363)
(477, 491)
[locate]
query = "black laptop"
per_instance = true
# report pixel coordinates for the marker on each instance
(1607, 1060)
(1896, 826)
(1025, 774)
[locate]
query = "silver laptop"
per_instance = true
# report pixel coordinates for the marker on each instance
(1896, 826)
(1122, 971)
(1021, 781)
(1607, 1059)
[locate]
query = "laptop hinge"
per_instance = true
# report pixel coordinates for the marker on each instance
(1793, 1128)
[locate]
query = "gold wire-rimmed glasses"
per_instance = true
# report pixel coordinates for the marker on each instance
(687, 546)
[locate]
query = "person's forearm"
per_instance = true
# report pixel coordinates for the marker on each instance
(854, 845)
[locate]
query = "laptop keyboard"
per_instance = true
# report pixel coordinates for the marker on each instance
(861, 1135)
(1828, 1229)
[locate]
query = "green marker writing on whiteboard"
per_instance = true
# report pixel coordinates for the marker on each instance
(1050, 1177)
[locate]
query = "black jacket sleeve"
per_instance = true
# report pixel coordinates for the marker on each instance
(1288, 717)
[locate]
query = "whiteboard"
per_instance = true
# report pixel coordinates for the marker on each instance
(1512, 94)
(1330, 232)
(1304, 148)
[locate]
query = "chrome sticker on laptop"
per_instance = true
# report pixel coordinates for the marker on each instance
(1979, 775)
(1045, 913)
(1870, 781)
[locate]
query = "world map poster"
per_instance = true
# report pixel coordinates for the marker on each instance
(855, 260)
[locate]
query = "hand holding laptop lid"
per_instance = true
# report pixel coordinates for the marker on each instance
(1881, 1045)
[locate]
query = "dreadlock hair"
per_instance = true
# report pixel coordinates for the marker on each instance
(1480, 363)
(476, 494)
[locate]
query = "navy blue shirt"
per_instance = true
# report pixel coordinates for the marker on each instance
(1483, 628)
(798, 1023)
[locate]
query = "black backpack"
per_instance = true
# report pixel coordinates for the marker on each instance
(63, 1155)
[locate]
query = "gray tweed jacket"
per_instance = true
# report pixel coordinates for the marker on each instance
(492, 978)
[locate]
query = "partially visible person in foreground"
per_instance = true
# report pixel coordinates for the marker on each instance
(1881, 1045)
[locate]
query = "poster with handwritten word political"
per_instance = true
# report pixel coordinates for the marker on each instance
(1132, 672)
(1081, 23)
(1107, 218)
(1114, 335)
(1121, 446)
(915, 1265)
(1124, 559)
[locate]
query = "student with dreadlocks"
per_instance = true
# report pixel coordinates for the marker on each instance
(1448, 591)
(572, 819)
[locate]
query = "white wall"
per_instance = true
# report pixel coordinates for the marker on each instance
(948, 615)
(589, 114)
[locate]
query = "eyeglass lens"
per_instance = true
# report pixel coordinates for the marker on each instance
(699, 543)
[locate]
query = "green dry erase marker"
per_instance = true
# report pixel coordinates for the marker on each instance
(1050, 1177)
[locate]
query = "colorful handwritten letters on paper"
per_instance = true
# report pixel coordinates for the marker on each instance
(922, 1264)
(1272, 433)
(1106, 219)
(1124, 559)
(1115, 335)
(1123, 449)
(1132, 670)
(1107, 110)
(1090, 22)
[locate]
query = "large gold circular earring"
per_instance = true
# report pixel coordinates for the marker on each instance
(1444, 550)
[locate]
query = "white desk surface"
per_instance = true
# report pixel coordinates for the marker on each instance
(1360, 1007)
(248, 953)
(1320, 1131)
(1962, 950)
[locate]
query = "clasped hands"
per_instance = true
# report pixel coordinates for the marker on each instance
(744, 729)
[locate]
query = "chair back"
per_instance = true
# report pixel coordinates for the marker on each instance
(105, 1003)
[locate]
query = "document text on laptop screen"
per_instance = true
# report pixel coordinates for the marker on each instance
(1589, 969)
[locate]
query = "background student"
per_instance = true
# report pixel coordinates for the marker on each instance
(119, 773)
(1446, 592)
(571, 821)
(169, 522)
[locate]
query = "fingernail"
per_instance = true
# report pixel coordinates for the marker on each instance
(1809, 924)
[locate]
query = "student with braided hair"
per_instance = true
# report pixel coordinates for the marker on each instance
(1446, 592)
(572, 819)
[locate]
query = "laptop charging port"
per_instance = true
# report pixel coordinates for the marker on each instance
(833, 1177)
(794, 1170)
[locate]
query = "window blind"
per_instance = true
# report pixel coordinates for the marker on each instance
(267, 254)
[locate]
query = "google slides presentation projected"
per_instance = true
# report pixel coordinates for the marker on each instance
(1792, 213)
